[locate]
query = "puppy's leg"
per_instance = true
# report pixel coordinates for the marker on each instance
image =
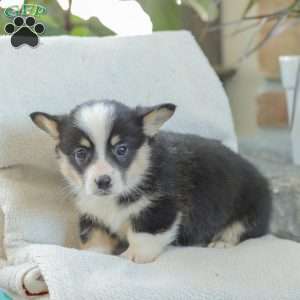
(100, 241)
(145, 247)
(254, 223)
(96, 237)
(228, 237)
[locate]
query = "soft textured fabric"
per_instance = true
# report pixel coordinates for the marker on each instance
(37, 208)
(2, 254)
(64, 71)
(265, 268)
(12, 278)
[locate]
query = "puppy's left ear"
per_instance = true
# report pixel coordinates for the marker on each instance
(154, 117)
(48, 123)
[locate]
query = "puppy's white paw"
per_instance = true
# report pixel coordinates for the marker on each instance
(229, 236)
(220, 245)
(138, 257)
(34, 282)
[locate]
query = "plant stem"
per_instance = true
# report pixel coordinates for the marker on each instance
(280, 12)
(68, 25)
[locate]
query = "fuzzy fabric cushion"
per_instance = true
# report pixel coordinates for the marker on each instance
(2, 254)
(37, 209)
(264, 268)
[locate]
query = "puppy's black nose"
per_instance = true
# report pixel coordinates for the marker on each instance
(103, 182)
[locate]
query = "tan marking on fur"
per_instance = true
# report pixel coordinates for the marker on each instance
(139, 166)
(100, 241)
(109, 212)
(155, 119)
(123, 230)
(115, 139)
(229, 237)
(48, 125)
(85, 142)
(68, 171)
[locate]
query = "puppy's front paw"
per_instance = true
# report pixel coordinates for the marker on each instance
(220, 245)
(138, 256)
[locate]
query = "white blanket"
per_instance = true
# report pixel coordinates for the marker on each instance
(266, 268)
(37, 209)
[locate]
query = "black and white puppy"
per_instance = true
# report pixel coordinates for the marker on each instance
(150, 188)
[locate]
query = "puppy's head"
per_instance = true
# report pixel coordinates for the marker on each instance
(102, 146)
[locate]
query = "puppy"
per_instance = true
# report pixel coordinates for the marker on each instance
(151, 189)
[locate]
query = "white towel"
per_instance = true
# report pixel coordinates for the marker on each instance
(265, 268)
(19, 279)
(37, 209)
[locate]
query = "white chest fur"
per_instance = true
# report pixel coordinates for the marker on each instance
(107, 210)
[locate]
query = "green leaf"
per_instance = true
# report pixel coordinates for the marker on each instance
(97, 28)
(206, 9)
(164, 14)
(81, 31)
(51, 26)
(250, 4)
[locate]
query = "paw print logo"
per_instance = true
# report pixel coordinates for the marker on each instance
(24, 31)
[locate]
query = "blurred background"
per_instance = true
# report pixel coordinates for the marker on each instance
(221, 27)
(243, 40)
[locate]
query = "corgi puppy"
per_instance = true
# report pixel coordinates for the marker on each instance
(147, 188)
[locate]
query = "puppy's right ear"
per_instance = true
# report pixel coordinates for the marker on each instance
(48, 123)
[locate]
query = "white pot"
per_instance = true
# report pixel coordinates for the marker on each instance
(289, 66)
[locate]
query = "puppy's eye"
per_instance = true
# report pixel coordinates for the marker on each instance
(121, 150)
(81, 155)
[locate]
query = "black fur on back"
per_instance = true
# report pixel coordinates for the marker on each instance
(209, 184)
